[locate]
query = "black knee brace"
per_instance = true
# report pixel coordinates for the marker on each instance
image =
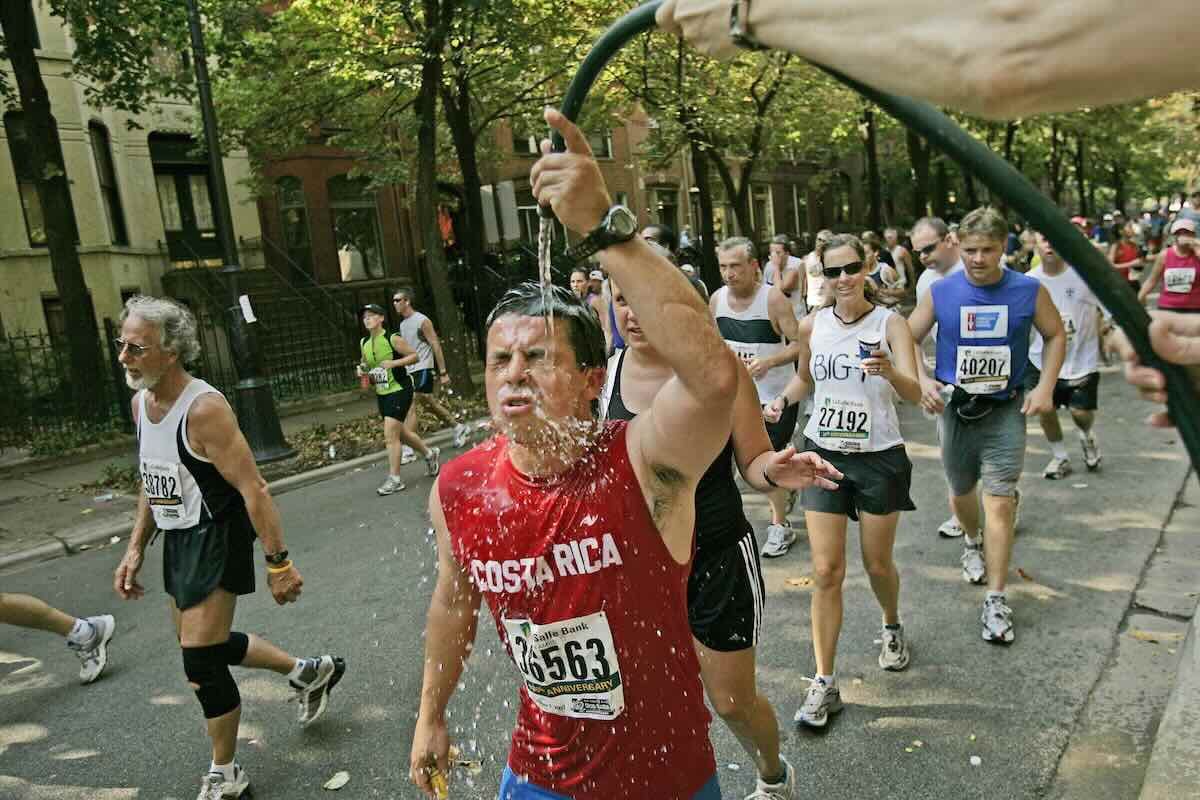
(208, 668)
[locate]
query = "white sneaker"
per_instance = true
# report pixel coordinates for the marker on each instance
(974, 570)
(407, 455)
(950, 529)
(390, 485)
(213, 786)
(460, 434)
(785, 790)
(997, 621)
(317, 680)
(1057, 469)
(780, 539)
(94, 656)
(432, 465)
(1091, 451)
(820, 701)
(894, 655)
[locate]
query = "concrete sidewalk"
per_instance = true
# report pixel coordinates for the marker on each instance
(43, 513)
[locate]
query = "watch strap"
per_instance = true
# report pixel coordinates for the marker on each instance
(275, 559)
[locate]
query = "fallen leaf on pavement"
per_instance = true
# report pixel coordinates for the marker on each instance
(87, 511)
(918, 743)
(1023, 574)
(1155, 636)
(338, 780)
(976, 761)
(803, 580)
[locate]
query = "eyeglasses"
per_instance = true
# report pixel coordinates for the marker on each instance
(928, 249)
(399, 299)
(833, 273)
(135, 350)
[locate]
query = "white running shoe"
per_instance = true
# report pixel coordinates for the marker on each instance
(93, 657)
(460, 434)
(1091, 451)
(951, 528)
(390, 485)
(316, 682)
(997, 619)
(213, 786)
(407, 455)
(974, 570)
(432, 465)
(780, 539)
(894, 655)
(1057, 469)
(820, 701)
(785, 790)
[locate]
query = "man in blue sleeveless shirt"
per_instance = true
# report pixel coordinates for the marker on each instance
(984, 315)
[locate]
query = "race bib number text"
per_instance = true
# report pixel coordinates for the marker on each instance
(843, 423)
(160, 481)
(1179, 280)
(379, 376)
(983, 370)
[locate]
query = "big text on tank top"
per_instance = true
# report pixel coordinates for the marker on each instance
(183, 489)
(851, 414)
(751, 335)
(983, 331)
(592, 608)
(1181, 287)
(720, 518)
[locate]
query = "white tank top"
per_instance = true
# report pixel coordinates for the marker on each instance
(410, 331)
(750, 335)
(850, 414)
(171, 489)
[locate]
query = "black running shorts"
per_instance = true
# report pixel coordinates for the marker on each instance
(1082, 394)
(725, 595)
(423, 381)
(211, 555)
(395, 405)
(877, 483)
(780, 433)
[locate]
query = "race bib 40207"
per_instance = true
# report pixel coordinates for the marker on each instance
(983, 370)
(570, 666)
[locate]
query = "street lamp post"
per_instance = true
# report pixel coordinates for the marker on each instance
(255, 406)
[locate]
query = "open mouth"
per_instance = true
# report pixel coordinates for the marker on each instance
(517, 404)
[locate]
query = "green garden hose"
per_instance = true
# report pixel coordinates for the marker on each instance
(996, 173)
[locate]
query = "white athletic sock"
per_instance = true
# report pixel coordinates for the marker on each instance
(973, 541)
(395, 475)
(1059, 449)
(996, 596)
(829, 680)
(82, 632)
(228, 771)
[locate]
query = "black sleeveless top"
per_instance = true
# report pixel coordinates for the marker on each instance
(720, 518)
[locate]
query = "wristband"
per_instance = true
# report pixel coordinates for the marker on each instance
(770, 482)
(284, 567)
(739, 28)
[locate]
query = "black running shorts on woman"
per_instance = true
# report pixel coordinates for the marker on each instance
(877, 483)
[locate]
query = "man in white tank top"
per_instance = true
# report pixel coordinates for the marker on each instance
(417, 329)
(200, 486)
(754, 320)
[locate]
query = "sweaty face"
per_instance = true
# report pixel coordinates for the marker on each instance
(1046, 250)
(981, 256)
(934, 250)
(371, 320)
(536, 392)
(578, 283)
(144, 370)
(738, 270)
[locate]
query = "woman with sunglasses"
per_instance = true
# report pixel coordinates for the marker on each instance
(856, 356)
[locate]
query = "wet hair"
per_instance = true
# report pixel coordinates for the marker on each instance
(870, 291)
(984, 221)
(583, 327)
(784, 240)
(935, 224)
(734, 242)
(661, 234)
(176, 325)
(403, 290)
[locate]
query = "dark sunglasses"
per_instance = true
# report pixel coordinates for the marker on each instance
(135, 350)
(833, 273)
(928, 249)
(399, 299)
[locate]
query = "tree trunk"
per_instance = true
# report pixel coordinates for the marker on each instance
(1054, 165)
(874, 183)
(941, 186)
(710, 271)
(969, 189)
(457, 109)
(1118, 179)
(737, 192)
(450, 323)
(54, 194)
(1081, 175)
(918, 157)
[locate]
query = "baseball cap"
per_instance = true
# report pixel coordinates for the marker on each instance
(596, 275)
(374, 308)
(1184, 224)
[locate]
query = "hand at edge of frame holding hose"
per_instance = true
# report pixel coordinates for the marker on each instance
(1176, 339)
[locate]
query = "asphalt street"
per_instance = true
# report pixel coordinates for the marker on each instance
(368, 565)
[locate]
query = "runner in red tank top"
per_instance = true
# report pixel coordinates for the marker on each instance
(1178, 267)
(580, 535)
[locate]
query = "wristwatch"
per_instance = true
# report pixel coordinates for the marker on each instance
(619, 225)
(275, 559)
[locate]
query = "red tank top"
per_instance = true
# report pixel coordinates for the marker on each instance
(1125, 252)
(592, 608)
(1181, 281)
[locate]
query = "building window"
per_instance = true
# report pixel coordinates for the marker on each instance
(601, 144)
(664, 206)
(102, 153)
(22, 158)
(525, 143)
(356, 230)
(762, 209)
(185, 201)
(56, 316)
(293, 212)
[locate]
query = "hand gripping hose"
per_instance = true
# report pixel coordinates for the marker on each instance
(996, 173)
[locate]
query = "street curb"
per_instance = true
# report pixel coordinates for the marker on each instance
(69, 543)
(1172, 771)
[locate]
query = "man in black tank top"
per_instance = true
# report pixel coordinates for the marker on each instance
(200, 484)
(725, 589)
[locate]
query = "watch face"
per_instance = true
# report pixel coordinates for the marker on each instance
(622, 223)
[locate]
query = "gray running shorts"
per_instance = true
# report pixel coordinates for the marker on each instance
(991, 449)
